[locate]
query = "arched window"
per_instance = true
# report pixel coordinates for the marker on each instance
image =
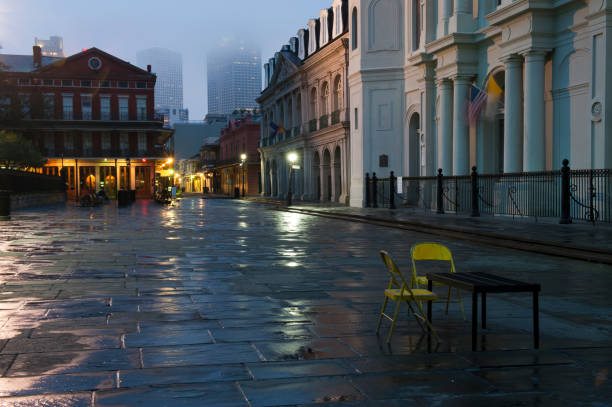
(324, 99)
(313, 104)
(298, 109)
(354, 32)
(337, 93)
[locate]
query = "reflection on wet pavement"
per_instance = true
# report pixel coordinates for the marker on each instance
(234, 304)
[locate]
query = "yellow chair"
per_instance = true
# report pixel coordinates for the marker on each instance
(438, 252)
(399, 291)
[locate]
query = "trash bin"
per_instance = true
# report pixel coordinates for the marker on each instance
(236, 193)
(5, 205)
(122, 197)
(132, 196)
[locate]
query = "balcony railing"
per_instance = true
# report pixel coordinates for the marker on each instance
(296, 131)
(335, 117)
(312, 125)
(323, 122)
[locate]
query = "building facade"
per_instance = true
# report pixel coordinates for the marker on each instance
(168, 66)
(233, 77)
(305, 109)
(92, 117)
(240, 137)
(412, 64)
(53, 47)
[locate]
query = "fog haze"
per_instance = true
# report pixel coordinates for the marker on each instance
(125, 27)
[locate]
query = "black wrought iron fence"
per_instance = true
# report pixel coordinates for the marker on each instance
(578, 194)
(28, 182)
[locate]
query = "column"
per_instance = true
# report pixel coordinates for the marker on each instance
(513, 117)
(344, 171)
(307, 174)
(462, 19)
(461, 130)
(445, 129)
(323, 181)
(534, 149)
(332, 171)
(428, 119)
(444, 8)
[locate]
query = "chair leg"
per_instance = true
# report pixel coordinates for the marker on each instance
(461, 304)
(448, 299)
(429, 325)
(381, 314)
(416, 317)
(399, 303)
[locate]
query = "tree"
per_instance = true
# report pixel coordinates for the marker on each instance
(18, 154)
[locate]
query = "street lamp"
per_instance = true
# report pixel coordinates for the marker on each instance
(292, 157)
(243, 158)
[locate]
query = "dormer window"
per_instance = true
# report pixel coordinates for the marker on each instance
(324, 28)
(312, 37)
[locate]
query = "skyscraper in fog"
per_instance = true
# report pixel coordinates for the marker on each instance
(168, 66)
(53, 47)
(234, 77)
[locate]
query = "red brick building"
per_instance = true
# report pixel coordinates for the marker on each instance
(241, 136)
(91, 114)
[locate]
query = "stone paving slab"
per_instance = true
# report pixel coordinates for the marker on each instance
(230, 303)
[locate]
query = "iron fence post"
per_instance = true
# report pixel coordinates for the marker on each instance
(475, 208)
(367, 191)
(391, 191)
(565, 194)
(439, 192)
(374, 191)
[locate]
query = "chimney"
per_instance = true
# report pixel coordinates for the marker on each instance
(149, 68)
(37, 54)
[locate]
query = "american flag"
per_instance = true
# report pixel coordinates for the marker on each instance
(478, 99)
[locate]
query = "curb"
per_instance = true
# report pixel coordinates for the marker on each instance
(531, 245)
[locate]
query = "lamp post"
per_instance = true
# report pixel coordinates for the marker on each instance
(243, 158)
(292, 157)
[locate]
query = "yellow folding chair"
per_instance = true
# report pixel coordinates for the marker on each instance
(438, 252)
(400, 291)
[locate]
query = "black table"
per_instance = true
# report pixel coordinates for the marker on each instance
(484, 283)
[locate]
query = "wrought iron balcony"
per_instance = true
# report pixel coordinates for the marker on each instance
(323, 121)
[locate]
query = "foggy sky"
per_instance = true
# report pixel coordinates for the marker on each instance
(124, 27)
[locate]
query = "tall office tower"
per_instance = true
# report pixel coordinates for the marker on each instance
(168, 66)
(234, 77)
(53, 47)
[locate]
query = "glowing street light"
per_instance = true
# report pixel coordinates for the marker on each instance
(292, 158)
(243, 158)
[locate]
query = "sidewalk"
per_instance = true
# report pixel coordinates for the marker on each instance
(579, 240)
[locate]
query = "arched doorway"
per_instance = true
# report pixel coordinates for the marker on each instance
(414, 146)
(316, 176)
(337, 174)
(327, 181)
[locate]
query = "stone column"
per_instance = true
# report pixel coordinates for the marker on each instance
(332, 171)
(445, 129)
(444, 9)
(462, 19)
(461, 129)
(428, 119)
(306, 173)
(534, 148)
(323, 183)
(513, 117)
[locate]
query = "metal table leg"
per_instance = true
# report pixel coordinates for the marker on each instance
(484, 310)
(536, 321)
(474, 320)
(430, 288)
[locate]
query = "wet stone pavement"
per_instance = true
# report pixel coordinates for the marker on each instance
(226, 303)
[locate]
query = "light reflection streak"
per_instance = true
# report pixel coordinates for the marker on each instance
(291, 222)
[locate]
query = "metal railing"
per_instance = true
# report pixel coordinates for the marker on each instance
(566, 194)
(312, 125)
(29, 182)
(324, 121)
(335, 117)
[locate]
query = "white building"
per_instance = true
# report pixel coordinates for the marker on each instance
(412, 63)
(305, 111)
